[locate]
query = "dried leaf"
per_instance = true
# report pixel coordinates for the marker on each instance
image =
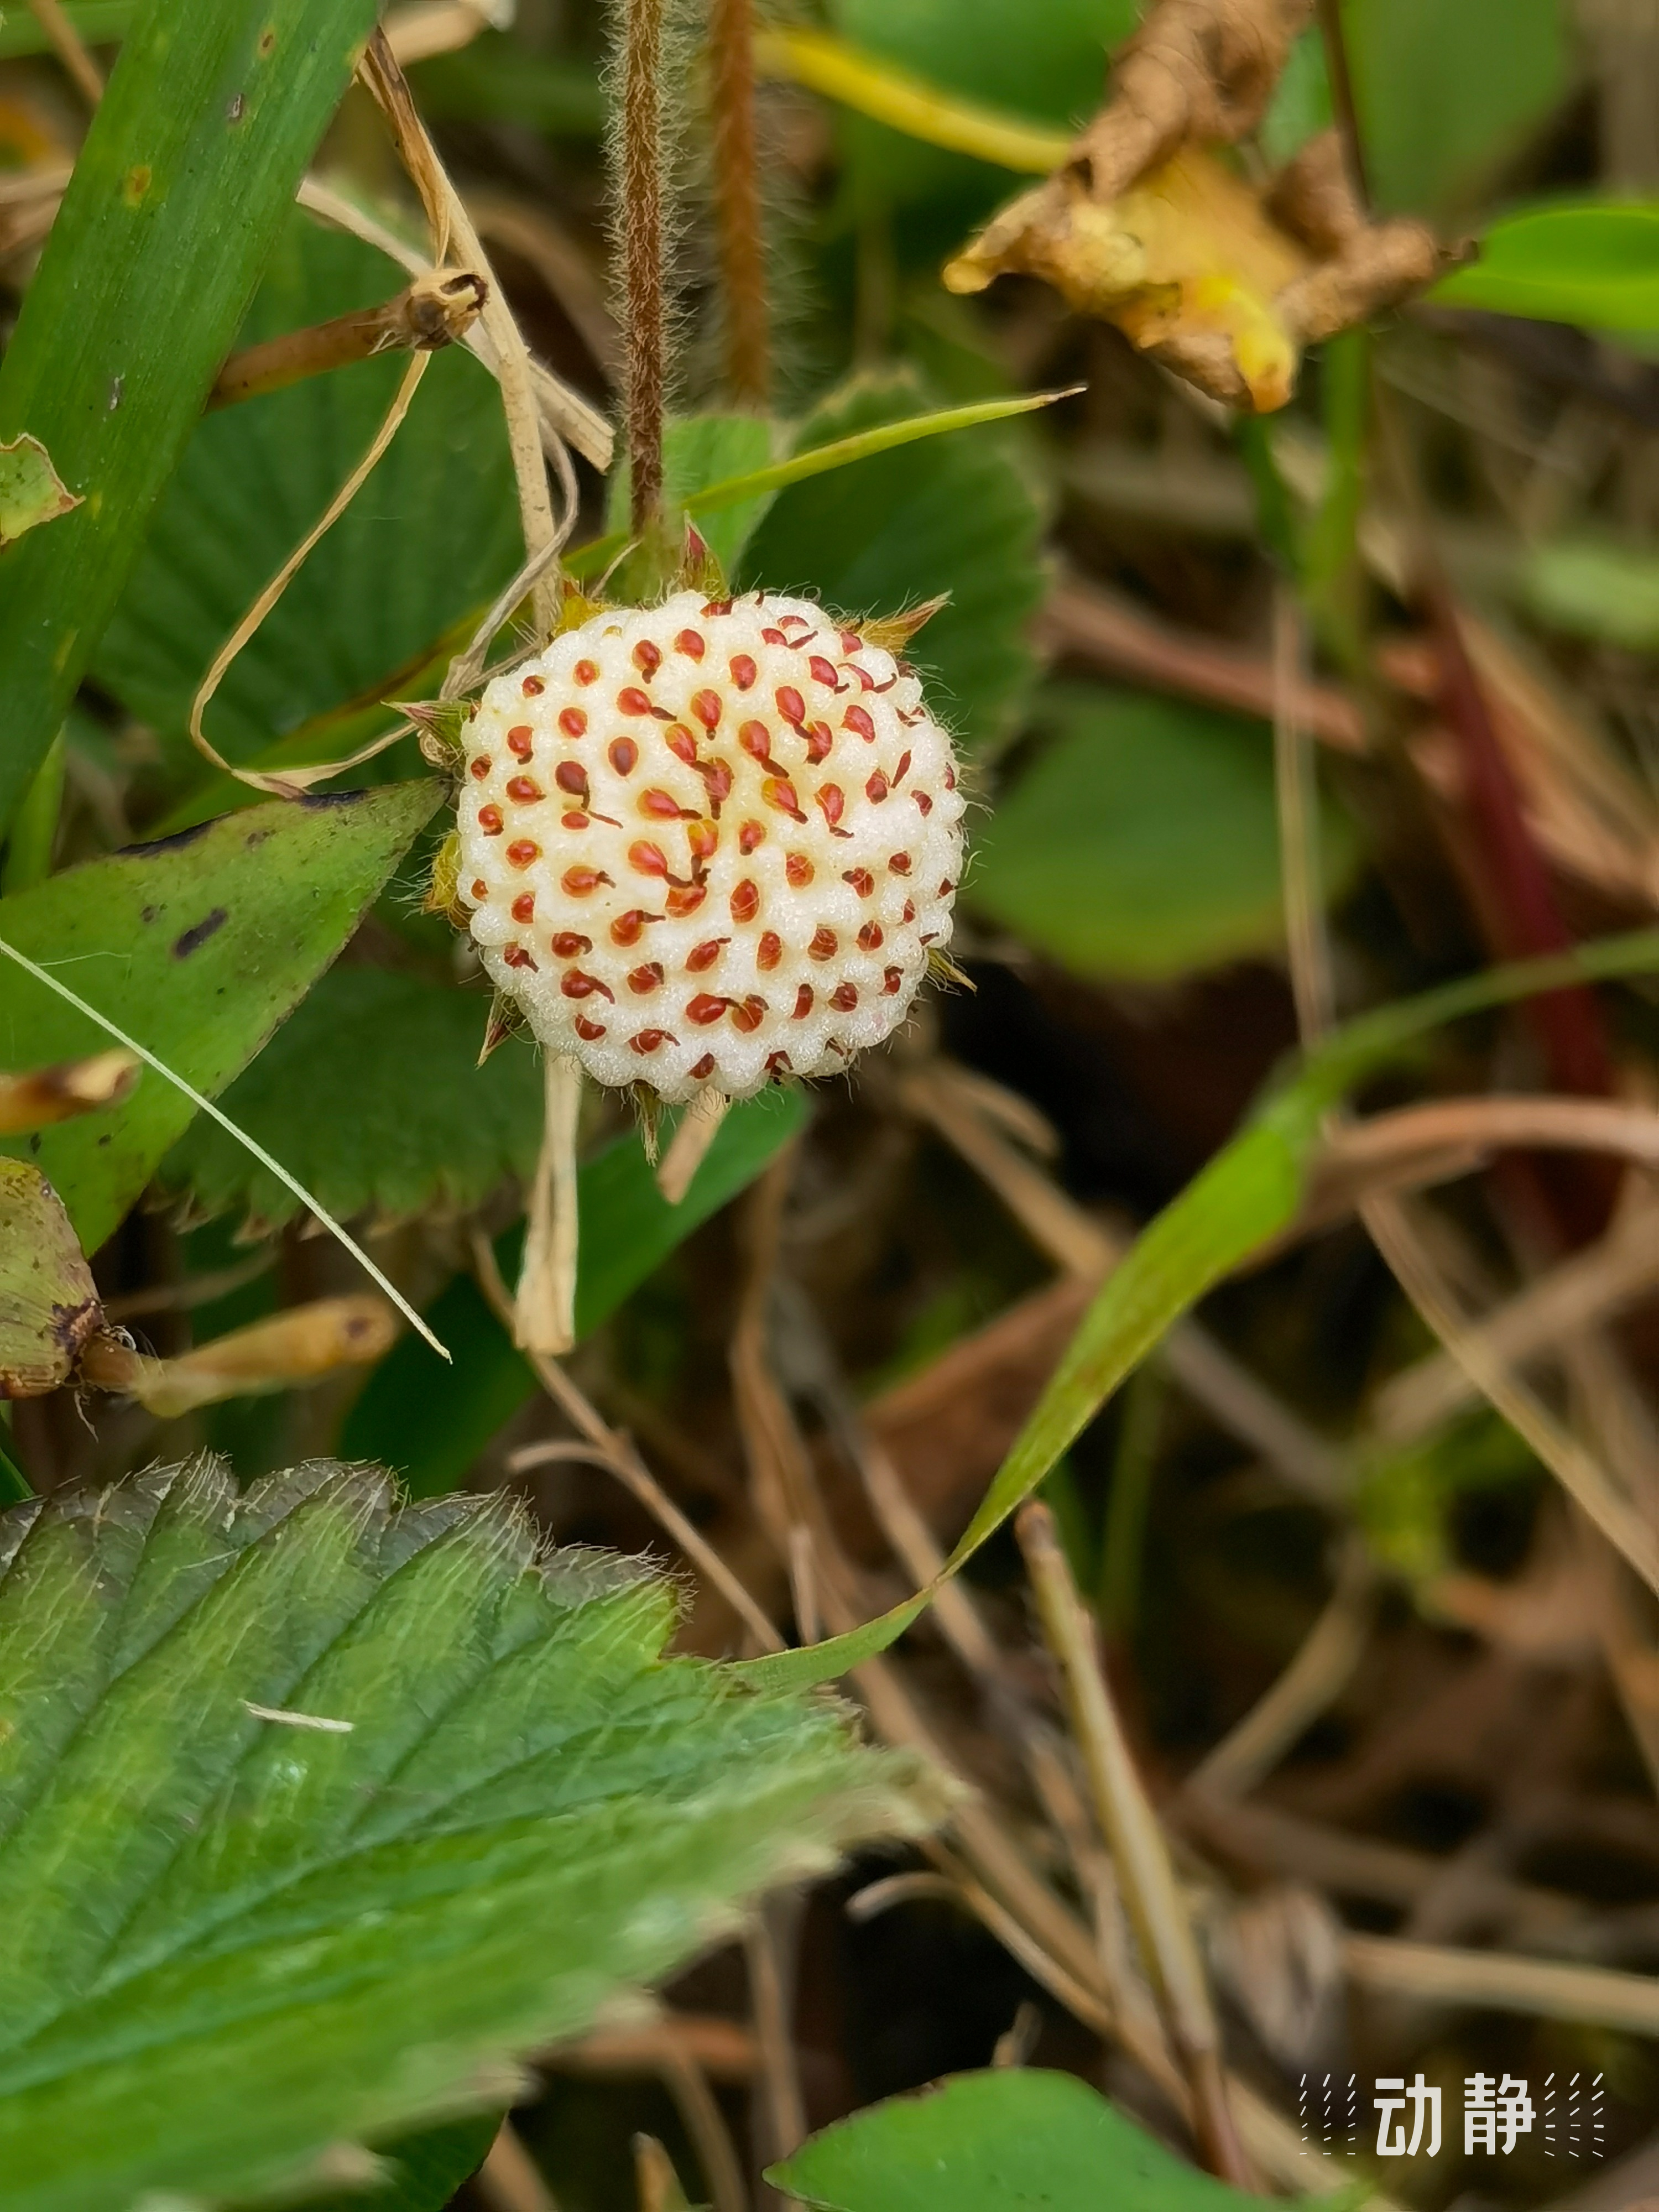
(44, 1095)
(300, 1346)
(1145, 227)
(48, 1305)
(31, 490)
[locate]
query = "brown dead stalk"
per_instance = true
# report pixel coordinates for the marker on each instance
(435, 310)
(1139, 1854)
(45, 1094)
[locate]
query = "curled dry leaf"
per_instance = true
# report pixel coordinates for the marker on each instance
(48, 1305)
(437, 310)
(1146, 228)
(31, 490)
(44, 1095)
(292, 1348)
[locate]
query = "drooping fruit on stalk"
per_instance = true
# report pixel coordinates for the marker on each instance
(711, 843)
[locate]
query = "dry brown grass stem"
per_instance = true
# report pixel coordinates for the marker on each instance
(1141, 1857)
(1314, 1678)
(1591, 1287)
(1267, 1839)
(509, 2180)
(562, 412)
(738, 200)
(698, 2107)
(1479, 1127)
(70, 49)
(615, 1452)
(544, 1307)
(293, 781)
(957, 1104)
(724, 2049)
(912, 1540)
(769, 1999)
(782, 1487)
(452, 225)
(417, 34)
(1578, 1470)
(1547, 1988)
(689, 1146)
(436, 310)
(642, 218)
(954, 1104)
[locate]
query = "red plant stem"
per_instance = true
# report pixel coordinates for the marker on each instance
(1526, 920)
(737, 199)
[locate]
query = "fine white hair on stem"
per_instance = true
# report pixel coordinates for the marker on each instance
(249, 1143)
(645, 78)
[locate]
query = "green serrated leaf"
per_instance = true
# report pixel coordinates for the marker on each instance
(1591, 262)
(1014, 2139)
(197, 946)
(1446, 94)
(1143, 842)
(183, 182)
(432, 534)
(249, 1939)
(31, 491)
(430, 1421)
(371, 1094)
(955, 515)
(424, 2170)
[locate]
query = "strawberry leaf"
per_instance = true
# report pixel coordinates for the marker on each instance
(242, 1941)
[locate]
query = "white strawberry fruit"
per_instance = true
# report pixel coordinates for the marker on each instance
(709, 843)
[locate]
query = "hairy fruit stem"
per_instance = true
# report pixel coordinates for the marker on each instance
(640, 222)
(738, 200)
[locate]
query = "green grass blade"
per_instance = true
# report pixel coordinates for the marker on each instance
(190, 166)
(97, 21)
(818, 461)
(1248, 1193)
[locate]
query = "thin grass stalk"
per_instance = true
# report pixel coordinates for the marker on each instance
(738, 200)
(1139, 1854)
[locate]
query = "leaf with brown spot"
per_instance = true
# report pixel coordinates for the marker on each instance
(48, 1305)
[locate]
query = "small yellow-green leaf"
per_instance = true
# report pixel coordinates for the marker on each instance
(1591, 262)
(31, 490)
